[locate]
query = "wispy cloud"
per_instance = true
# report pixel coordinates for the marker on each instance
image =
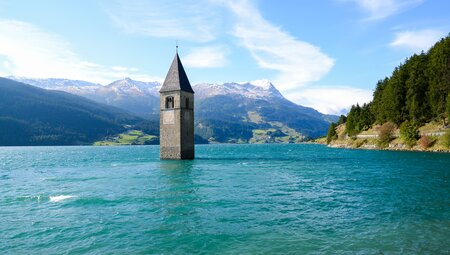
(206, 57)
(124, 69)
(416, 41)
(331, 100)
(297, 62)
(380, 9)
(194, 20)
(28, 51)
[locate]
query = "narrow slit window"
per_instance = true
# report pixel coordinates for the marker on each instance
(169, 103)
(187, 103)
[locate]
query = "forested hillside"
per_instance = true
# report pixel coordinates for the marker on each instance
(418, 91)
(410, 109)
(233, 116)
(34, 116)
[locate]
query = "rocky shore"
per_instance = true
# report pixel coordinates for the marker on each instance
(390, 147)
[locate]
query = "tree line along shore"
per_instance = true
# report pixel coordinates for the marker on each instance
(410, 109)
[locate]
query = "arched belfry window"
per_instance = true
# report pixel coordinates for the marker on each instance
(187, 103)
(169, 103)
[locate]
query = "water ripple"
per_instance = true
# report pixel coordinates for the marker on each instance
(232, 199)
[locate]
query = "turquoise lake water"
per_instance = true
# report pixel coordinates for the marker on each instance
(232, 199)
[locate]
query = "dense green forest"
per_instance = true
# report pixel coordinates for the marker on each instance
(417, 92)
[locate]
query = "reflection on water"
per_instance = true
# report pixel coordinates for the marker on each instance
(179, 197)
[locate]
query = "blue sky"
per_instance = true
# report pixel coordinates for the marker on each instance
(325, 54)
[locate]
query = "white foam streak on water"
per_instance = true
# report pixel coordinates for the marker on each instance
(59, 198)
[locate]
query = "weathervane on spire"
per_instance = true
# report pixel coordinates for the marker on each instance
(176, 46)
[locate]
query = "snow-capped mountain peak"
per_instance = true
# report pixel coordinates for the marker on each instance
(265, 84)
(258, 89)
(129, 83)
(53, 83)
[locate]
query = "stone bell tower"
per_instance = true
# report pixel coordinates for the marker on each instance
(176, 120)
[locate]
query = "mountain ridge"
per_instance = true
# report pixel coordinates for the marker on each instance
(34, 116)
(249, 105)
(264, 87)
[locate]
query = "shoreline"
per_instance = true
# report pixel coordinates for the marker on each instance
(430, 137)
(393, 147)
(390, 147)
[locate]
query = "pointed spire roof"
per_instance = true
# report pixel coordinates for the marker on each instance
(176, 79)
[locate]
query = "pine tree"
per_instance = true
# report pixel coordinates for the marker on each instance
(366, 117)
(342, 120)
(331, 135)
(417, 86)
(448, 107)
(352, 125)
(378, 108)
(418, 91)
(439, 74)
(394, 95)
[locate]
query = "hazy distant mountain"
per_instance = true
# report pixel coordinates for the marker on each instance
(140, 98)
(253, 105)
(261, 89)
(35, 116)
(54, 83)
(224, 112)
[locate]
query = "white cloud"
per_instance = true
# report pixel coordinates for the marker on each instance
(297, 62)
(124, 69)
(331, 100)
(194, 20)
(416, 41)
(206, 57)
(31, 52)
(380, 9)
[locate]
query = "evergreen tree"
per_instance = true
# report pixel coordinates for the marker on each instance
(352, 125)
(342, 120)
(378, 108)
(359, 119)
(417, 91)
(439, 76)
(417, 86)
(448, 107)
(366, 118)
(331, 135)
(394, 95)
